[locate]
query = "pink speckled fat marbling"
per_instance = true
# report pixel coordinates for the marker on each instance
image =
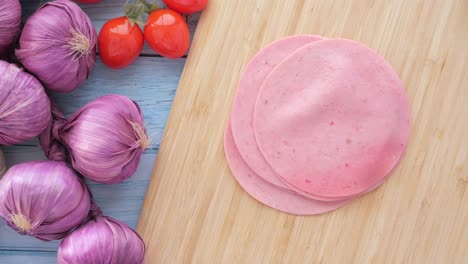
(332, 119)
(243, 107)
(268, 193)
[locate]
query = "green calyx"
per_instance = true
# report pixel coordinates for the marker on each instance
(136, 10)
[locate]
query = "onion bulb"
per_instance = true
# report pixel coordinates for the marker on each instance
(103, 240)
(58, 45)
(103, 141)
(10, 19)
(43, 199)
(24, 105)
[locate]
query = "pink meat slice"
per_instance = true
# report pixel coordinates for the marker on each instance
(244, 102)
(332, 119)
(267, 193)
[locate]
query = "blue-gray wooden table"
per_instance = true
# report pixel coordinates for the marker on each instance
(152, 82)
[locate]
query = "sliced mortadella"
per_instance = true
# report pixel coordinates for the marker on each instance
(332, 119)
(267, 193)
(244, 102)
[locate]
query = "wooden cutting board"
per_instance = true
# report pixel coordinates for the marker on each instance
(195, 212)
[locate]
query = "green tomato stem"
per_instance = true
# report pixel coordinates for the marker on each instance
(135, 11)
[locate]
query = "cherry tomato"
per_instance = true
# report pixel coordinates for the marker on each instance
(186, 6)
(167, 33)
(120, 42)
(88, 1)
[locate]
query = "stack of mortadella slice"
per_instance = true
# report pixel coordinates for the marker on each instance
(315, 123)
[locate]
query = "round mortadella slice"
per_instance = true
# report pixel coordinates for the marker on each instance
(267, 193)
(246, 95)
(332, 119)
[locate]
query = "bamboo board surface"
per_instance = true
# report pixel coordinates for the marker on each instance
(195, 212)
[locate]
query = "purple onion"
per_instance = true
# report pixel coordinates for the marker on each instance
(43, 199)
(103, 141)
(104, 240)
(58, 45)
(24, 105)
(10, 19)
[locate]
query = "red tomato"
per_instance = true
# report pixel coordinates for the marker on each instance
(186, 6)
(120, 42)
(88, 1)
(167, 33)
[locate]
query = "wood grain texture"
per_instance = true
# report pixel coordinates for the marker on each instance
(27, 257)
(152, 82)
(195, 212)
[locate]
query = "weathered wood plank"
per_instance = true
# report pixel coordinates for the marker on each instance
(150, 81)
(27, 257)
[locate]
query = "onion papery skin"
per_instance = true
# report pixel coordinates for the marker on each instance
(24, 105)
(43, 199)
(58, 45)
(10, 20)
(103, 141)
(103, 240)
